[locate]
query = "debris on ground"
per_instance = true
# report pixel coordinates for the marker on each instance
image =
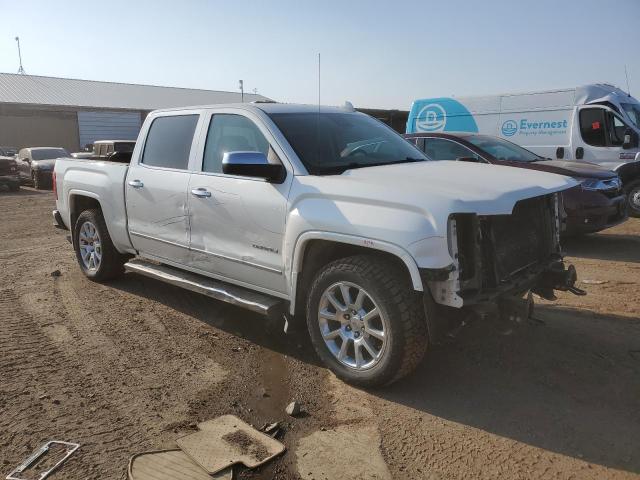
(293, 409)
(594, 282)
(56, 273)
(41, 463)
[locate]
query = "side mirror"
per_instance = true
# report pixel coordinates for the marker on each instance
(630, 139)
(253, 164)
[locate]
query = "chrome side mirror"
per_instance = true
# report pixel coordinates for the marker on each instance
(253, 164)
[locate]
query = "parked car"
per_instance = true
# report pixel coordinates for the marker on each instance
(595, 123)
(597, 204)
(35, 164)
(106, 149)
(9, 169)
(282, 210)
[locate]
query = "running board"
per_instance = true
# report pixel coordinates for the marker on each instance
(242, 297)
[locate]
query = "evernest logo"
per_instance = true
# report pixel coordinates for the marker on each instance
(509, 128)
(432, 118)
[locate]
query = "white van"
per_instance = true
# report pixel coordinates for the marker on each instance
(596, 123)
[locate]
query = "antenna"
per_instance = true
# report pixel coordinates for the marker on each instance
(21, 70)
(627, 75)
(318, 82)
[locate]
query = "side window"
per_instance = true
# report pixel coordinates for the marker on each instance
(169, 141)
(592, 126)
(616, 130)
(109, 148)
(443, 149)
(231, 133)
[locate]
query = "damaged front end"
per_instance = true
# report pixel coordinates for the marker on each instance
(499, 258)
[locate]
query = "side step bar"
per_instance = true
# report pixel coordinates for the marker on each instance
(242, 297)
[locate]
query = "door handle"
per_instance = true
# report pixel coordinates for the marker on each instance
(201, 192)
(136, 183)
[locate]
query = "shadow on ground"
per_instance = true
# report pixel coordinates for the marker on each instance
(570, 385)
(268, 333)
(621, 248)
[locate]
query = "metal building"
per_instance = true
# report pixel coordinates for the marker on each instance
(64, 112)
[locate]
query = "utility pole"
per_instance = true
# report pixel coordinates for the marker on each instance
(20, 70)
(241, 87)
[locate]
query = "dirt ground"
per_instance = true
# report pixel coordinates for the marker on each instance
(131, 366)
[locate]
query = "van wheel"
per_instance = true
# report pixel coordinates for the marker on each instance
(633, 198)
(365, 321)
(96, 255)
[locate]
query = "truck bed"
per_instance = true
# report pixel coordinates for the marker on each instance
(103, 181)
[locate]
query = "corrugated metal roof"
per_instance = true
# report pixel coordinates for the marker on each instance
(33, 89)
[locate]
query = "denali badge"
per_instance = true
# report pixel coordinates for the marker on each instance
(268, 249)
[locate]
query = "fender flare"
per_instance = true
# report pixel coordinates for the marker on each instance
(304, 238)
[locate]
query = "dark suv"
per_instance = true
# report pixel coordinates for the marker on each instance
(9, 168)
(597, 204)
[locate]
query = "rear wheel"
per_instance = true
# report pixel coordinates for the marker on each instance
(365, 320)
(633, 198)
(96, 255)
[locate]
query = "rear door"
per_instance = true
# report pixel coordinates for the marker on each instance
(237, 223)
(156, 187)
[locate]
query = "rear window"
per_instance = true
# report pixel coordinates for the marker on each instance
(48, 153)
(169, 141)
(124, 146)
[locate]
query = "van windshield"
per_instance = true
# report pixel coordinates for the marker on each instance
(330, 143)
(502, 149)
(633, 112)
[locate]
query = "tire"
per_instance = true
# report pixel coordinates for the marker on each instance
(387, 288)
(90, 236)
(633, 198)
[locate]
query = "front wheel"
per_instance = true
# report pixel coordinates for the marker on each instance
(365, 320)
(37, 180)
(96, 255)
(633, 198)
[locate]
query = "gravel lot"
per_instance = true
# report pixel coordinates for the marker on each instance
(130, 366)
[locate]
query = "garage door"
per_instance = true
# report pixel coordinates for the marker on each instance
(94, 126)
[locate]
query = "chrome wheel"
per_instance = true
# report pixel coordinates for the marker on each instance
(634, 197)
(90, 246)
(352, 326)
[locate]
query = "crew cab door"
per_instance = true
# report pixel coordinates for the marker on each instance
(156, 188)
(237, 223)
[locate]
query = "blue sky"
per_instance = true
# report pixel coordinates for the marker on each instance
(374, 53)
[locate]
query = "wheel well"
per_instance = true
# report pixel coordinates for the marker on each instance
(78, 204)
(318, 253)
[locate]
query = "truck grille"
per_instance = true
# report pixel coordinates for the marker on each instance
(520, 240)
(494, 250)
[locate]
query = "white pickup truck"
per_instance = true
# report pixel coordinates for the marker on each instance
(322, 215)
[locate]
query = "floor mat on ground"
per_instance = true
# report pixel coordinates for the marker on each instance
(227, 440)
(169, 465)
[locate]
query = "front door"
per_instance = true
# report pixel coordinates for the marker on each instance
(156, 189)
(237, 223)
(600, 136)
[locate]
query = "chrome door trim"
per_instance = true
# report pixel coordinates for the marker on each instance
(217, 255)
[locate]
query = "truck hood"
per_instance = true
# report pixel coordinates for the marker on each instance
(573, 169)
(438, 189)
(46, 164)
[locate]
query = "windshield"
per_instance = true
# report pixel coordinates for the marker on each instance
(330, 143)
(502, 149)
(47, 153)
(8, 151)
(633, 112)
